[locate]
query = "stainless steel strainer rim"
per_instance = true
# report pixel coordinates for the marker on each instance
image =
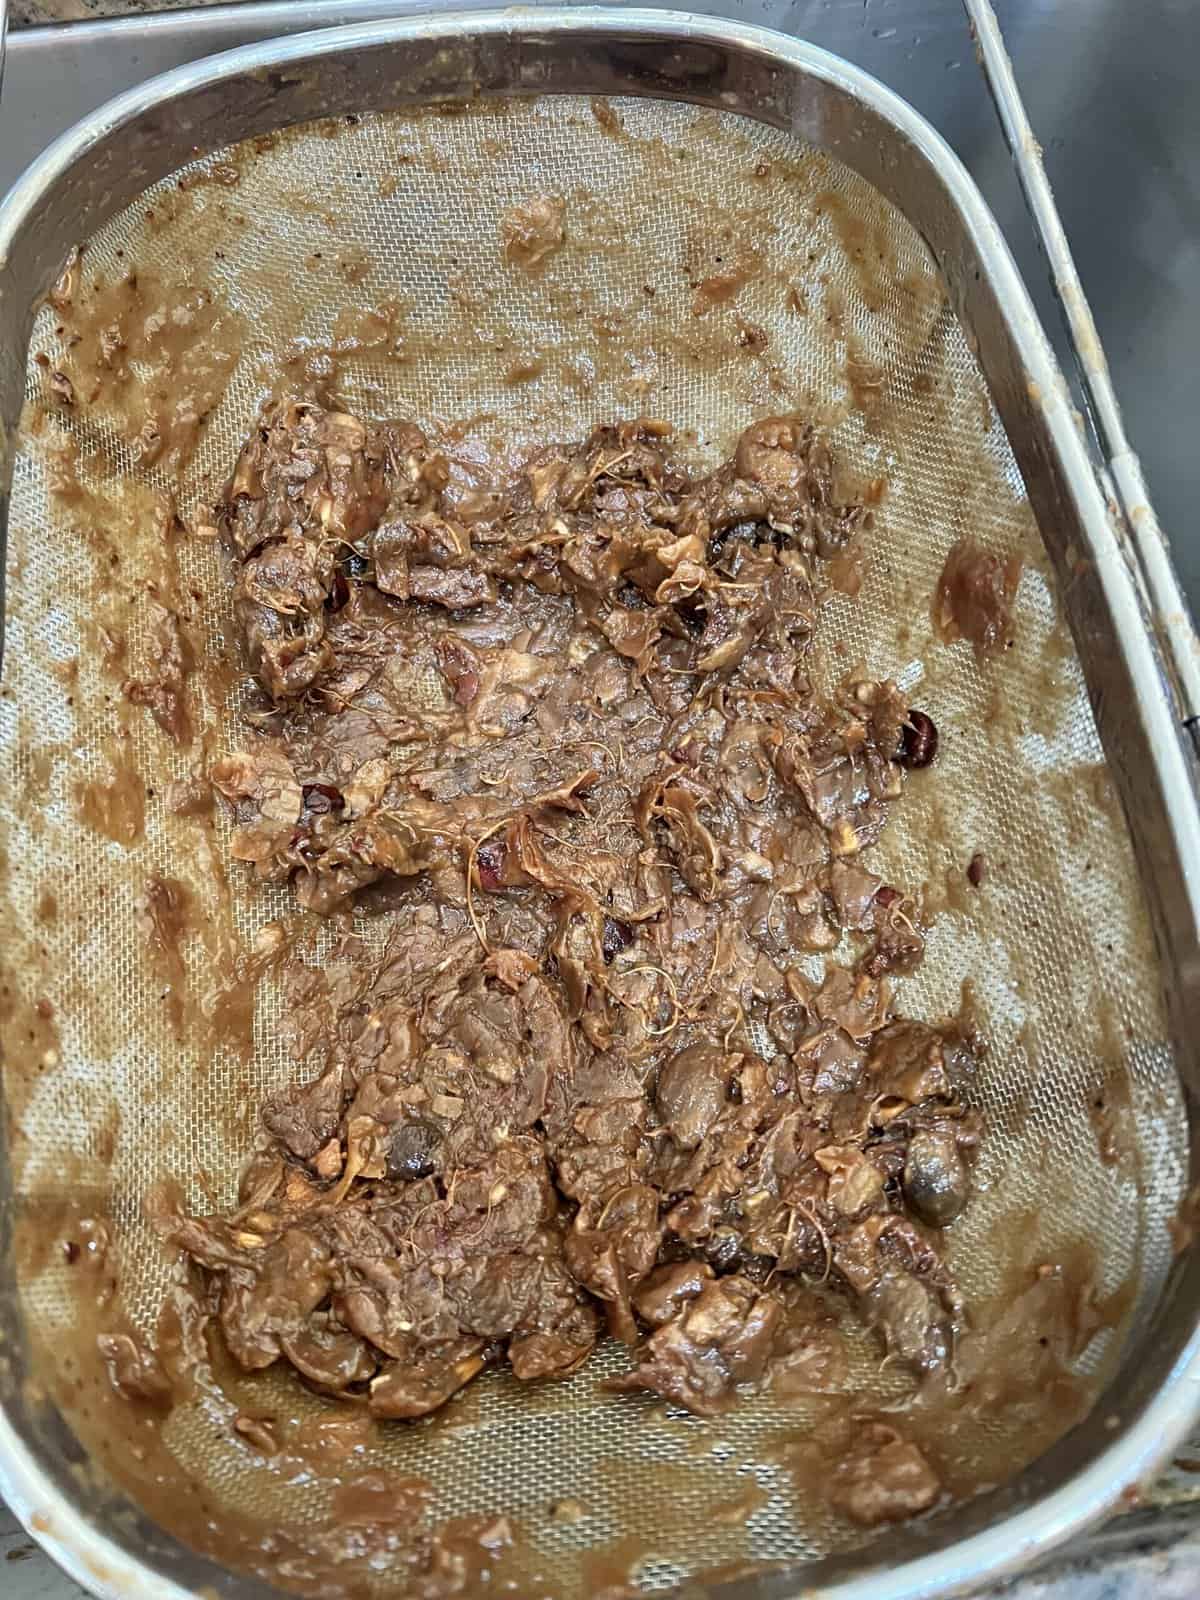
(99, 1562)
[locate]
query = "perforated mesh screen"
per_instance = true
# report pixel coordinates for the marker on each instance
(387, 230)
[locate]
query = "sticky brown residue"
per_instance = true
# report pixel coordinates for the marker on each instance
(134, 1369)
(151, 355)
(752, 336)
(811, 1357)
(974, 598)
(606, 117)
(865, 380)
(738, 1511)
(223, 174)
(865, 240)
(1110, 1112)
(721, 287)
(33, 1049)
(114, 805)
(377, 328)
(163, 920)
(374, 1500)
(534, 231)
(164, 690)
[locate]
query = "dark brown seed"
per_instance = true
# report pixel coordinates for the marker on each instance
(489, 862)
(70, 1252)
(936, 1183)
(886, 896)
(693, 613)
(322, 798)
(725, 1249)
(977, 869)
(919, 741)
(413, 1153)
(339, 591)
(617, 936)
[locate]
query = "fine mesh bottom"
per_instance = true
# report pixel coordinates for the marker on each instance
(370, 252)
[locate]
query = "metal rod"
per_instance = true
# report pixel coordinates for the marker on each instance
(1126, 485)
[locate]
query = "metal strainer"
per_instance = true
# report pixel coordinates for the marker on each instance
(884, 304)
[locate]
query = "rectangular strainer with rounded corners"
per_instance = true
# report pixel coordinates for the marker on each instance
(353, 233)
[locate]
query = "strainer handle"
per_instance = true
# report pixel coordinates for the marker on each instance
(1121, 472)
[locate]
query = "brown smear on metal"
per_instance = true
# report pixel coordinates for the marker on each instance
(369, 256)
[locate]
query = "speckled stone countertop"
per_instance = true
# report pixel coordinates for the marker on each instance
(27, 11)
(1168, 1574)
